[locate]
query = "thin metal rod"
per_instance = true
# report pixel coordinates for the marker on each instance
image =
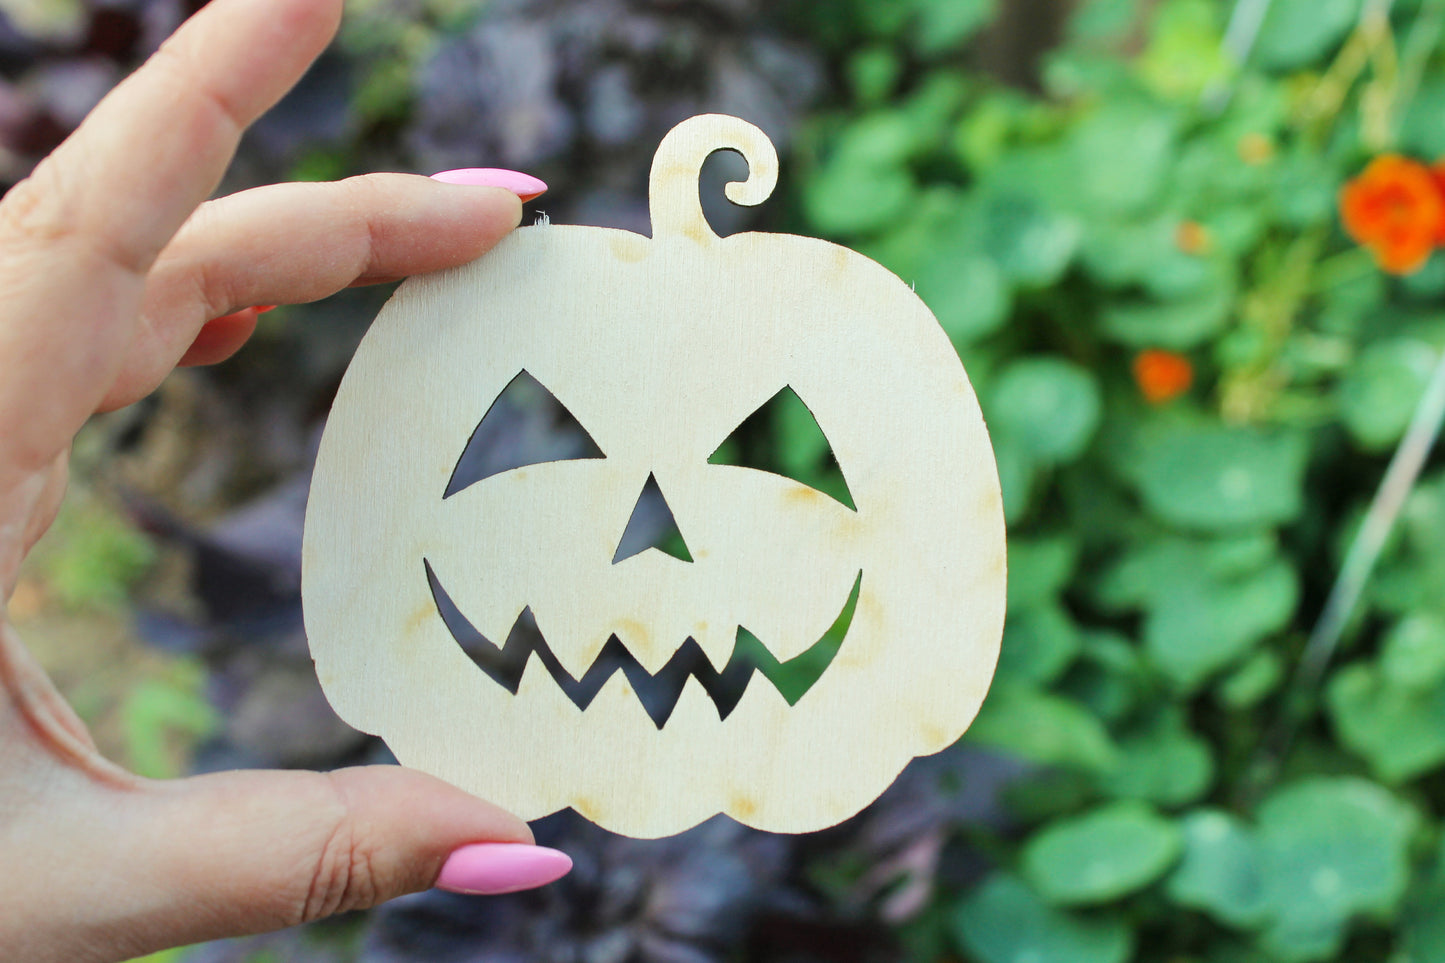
(1364, 551)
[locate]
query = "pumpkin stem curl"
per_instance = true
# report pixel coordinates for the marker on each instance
(673, 186)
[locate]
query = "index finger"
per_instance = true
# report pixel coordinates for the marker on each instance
(79, 235)
(158, 145)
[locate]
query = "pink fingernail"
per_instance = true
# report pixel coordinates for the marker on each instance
(493, 868)
(524, 186)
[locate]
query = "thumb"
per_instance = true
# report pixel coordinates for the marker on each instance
(247, 852)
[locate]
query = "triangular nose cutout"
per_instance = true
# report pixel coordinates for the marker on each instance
(652, 526)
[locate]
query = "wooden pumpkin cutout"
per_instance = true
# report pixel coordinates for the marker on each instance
(659, 348)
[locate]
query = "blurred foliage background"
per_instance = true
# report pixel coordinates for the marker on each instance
(1217, 733)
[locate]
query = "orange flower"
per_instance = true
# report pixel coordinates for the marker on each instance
(1162, 375)
(1396, 209)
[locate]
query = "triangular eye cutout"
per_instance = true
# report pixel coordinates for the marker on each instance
(784, 438)
(652, 525)
(526, 425)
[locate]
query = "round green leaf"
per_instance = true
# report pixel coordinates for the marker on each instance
(1123, 152)
(1178, 324)
(1221, 869)
(967, 293)
(1399, 731)
(864, 185)
(1380, 391)
(1038, 645)
(1256, 678)
(1031, 243)
(1039, 569)
(1205, 625)
(1214, 477)
(1413, 656)
(1102, 855)
(1332, 847)
(849, 197)
(1049, 406)
(1016, 473)
(1003, 921)
(1043, 728)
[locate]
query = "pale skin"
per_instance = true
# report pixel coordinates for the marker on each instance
(112, 262)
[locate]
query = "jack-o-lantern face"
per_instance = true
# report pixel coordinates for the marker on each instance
(721, 657)
(496, 630)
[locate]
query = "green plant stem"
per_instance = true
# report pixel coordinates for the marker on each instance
(1348, 265)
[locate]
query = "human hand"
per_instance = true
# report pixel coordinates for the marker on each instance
(111, 266)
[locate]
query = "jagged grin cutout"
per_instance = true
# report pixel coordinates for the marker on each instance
(781, 658)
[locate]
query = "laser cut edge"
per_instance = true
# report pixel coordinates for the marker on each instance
(724, 688)
(848, 501)
(454, 486)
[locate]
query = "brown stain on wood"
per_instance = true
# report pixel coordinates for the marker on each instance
(631, 630)
(629, 249)
(743, 807)
(934, 738)
(419, 617)
(803, 495)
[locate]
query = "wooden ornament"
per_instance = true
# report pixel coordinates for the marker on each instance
(659, 348)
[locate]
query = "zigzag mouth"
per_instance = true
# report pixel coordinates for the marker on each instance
(658, 693)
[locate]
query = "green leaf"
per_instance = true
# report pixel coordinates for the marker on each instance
(1400, 731)
(92, 555)
(1038, 645)
(944, 24)
(1413, 654)
(967, 293)
(1421, 132)
(1017, 472)
(1205, 625)
(1178, 324)
(1332, 848)
(1039, 568)
(1162, 762)
(1051, 407)
(1298, 33)
(1003, 921)
(162, 717)
(1122, 154)
(1122, 252)
(873, 73)
(1247, 685)
(864, 184)
(1102, 855)
(1381, 390)
(1222, 869)
(1032, 244)
(1185, 56)
(1215, 478)
(1043, 728)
